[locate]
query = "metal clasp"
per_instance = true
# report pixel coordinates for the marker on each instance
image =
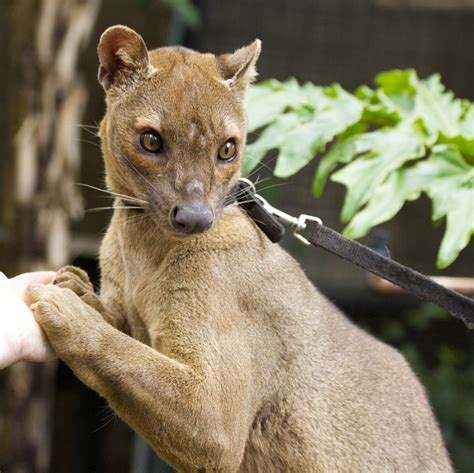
(297, 223)
(302, 225)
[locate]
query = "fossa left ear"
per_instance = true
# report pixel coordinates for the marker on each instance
(238, 69)
(120, 49)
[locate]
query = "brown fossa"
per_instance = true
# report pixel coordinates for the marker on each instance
(207, 339)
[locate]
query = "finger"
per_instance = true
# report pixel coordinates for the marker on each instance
(21, 282)
(41, 277)
(35, 344)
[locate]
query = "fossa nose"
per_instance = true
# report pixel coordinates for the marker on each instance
(191, 218)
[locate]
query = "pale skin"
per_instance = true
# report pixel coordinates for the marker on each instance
(21, 337)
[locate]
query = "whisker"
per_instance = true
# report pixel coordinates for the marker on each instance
(116, 194)
(274, 185)
(136, 170)
(99, 209)
(88, 128)
(261, 164)
(242, 191)
(93, 131)
(237, 194)
(234, 196)
(83, 140)
(84, 125)
(240, 202)
(259, 167)
(108, 419)
(259, 181)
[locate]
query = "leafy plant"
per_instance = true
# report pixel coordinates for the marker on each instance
(406, 137)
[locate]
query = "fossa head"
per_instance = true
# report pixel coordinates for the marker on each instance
(175, 128)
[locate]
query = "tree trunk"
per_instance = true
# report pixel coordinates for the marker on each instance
(44, 99)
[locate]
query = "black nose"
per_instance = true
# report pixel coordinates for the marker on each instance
(192, 218)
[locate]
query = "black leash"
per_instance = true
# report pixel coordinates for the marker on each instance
(418, 284)
(310, 230)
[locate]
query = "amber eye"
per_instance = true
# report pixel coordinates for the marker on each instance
(150, 141)
(227, 151)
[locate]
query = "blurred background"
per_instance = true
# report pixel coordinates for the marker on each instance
(50, 106)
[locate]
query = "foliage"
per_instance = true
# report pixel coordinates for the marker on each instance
(406, 137)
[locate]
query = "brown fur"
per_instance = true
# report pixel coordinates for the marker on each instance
(231, 360)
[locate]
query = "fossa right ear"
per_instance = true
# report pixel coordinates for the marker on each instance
(238, 69)
(120, 50)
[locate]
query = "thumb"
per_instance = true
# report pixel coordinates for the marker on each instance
(21, 282)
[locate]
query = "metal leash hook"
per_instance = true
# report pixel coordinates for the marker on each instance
(302, 225)
(297, 223)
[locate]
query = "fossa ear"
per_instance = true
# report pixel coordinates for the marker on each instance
(120, 50)
(238, 69)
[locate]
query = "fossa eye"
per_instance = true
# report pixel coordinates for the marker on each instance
(228, 151)
(151, 141)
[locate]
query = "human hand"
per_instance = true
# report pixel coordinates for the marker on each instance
(21, 338)
(72, 325)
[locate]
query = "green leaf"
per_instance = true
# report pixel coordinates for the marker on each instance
(397, 90)
(464, 145)
(437, 108)
(397, 82)
(452, 192)
(340, 111)
(381, 152)
(268, 100)
(400, 186)
(343, 151)
(459, 227)
(426, 100)
(270, 138)
(466, 123)
(448, 171)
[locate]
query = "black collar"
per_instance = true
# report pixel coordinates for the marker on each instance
(244, 194)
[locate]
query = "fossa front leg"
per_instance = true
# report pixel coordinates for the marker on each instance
(169, 403)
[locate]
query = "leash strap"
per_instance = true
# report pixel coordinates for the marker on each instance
(412, 281)
(310, 230)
